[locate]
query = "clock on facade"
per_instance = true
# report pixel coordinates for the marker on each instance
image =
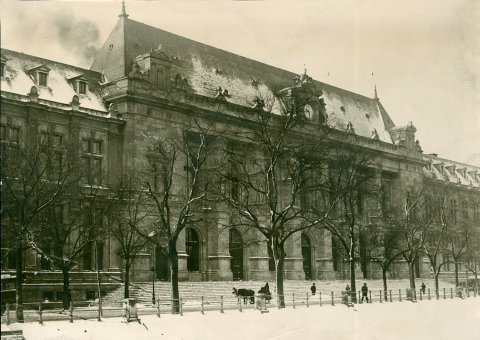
(308, 111)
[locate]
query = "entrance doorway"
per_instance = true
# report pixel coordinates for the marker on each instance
(236, 252)
(307, 256)
(161, 264)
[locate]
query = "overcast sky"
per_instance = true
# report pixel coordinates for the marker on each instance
(424, 56)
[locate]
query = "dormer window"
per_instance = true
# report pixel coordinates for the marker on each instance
(42, 79)
(40, 75)
(82, 87)
(3, 61)
(79, 84)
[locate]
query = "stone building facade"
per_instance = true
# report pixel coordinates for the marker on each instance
(145, 80)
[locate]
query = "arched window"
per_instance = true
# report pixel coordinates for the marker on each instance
(307, 256)
(193, 250)
(236, 252)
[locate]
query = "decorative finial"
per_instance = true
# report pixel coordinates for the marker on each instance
(124, 13)
(376, 96)
(304, 69)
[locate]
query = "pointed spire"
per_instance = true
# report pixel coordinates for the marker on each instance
(376, 96)
(124, 13)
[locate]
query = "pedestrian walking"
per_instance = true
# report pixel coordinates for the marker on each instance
(423, 288)
(313, 289)
(365, 292)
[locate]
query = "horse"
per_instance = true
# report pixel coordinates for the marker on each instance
(245, 294)
(266, 290)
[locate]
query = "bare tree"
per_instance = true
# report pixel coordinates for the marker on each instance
(36, 175)
(128, 220)
(276, 180)
(383, 248)
(351, 183)
(412, 220)
(176, 186)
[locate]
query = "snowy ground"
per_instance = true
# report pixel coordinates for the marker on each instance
(435, 319)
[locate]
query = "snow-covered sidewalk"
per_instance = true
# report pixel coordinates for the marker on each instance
(436, 319)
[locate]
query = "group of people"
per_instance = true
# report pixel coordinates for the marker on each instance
(313, 289)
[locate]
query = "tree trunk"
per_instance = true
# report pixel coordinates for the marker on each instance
(173, 257)
(456, 273)
(384, 278)
(66, 287)
(411, 271)
(435, 276)
(279, 265)
(352, 267)
(126, 291)
(19, 282)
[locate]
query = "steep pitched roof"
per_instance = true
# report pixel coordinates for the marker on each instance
(18, 80)
(206, 68)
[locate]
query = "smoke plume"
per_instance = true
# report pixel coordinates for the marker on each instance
(79, 37)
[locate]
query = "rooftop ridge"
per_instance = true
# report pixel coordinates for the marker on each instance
(286, 72)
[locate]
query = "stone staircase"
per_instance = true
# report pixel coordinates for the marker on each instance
(192, 292)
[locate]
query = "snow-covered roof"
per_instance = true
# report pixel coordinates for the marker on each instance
(449, 171)
(206, 68)
(19, 79)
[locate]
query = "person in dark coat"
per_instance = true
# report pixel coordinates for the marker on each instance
(365, 292)
(423, 287)
(313, 289)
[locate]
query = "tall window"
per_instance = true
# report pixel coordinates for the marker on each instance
(82, 87)
(92, 158)
(193, 250)
(42, 79)
(99, 250)
(160, 78)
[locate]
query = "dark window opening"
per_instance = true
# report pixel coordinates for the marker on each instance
(307, 256)
(48, 296)
(100, 258)
(236, 252)
(193, 250)
(42, 79)
(87, 256)
(82, 87)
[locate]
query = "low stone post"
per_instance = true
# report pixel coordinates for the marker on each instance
(221, 303)
(40, 317)
(451, 293)
(370, 294)
(71, 311)
(359, 300)
(293, 299)
(400, 295)
(307, 299)
(429, 293)
(391, 296)
(202, 310)
(240, 304)
(332, 299)
(181, 307)
(380, 292)
(444, 294)
(320, 297)
(158, 307)
(421, 295)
